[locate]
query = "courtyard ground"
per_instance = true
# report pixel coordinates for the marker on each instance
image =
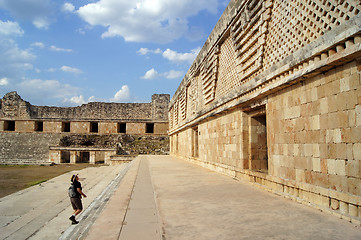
(14, 178)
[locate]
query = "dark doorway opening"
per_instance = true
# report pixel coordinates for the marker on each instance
(122, 127)
(39, 126)
(84, 157)
(258, 143)
(65, 127)
(195, 151)
(65, 157)
(94, 127)
(150, 128)
(9, 125)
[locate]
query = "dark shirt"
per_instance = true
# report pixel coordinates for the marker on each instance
(76, 186)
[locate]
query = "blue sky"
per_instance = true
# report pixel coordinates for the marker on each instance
(67, 53)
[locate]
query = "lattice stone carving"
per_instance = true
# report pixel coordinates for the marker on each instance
(192, 95)
(170, 117)
(227, 79)
(296, 23)
(183, 104)
(209, 71)
(176, 113)
(249, 36)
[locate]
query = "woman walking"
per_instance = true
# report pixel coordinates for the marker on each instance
(76, 200)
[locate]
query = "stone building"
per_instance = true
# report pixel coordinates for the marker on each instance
(274, 97)
(90, 133)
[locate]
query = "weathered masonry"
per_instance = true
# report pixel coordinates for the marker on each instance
(90, 133)
(274, 97)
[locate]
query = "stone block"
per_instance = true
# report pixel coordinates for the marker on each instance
(354, 186)
(323, 165)
(357, 151)
(331, 166)
(300, 175)
(334, 204)
(353, 210)
(338, 183)
(341, 149)
(358, 115)
(343, 207)
(340, 167)
(316, 164)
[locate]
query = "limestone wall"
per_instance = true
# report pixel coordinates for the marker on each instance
(274, 98)
(26, 148)
(27, 131)
(15, 108)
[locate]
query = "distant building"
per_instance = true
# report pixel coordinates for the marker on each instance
(274, 97)
(90, 133)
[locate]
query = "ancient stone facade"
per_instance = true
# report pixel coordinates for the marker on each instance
(274, 97)
(91, 133)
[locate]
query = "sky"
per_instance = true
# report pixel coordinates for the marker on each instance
(68, 53)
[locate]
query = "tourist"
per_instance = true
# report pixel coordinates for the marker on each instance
(76, 201)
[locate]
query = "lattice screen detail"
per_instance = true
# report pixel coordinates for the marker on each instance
(249, 36)
(176, 113)
(209, 76)
(183, 104)
(192, 96)
(170, 117)
(227, 79)
(307, 20)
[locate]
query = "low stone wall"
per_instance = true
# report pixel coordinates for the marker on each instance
(26, 148)
(121, 159)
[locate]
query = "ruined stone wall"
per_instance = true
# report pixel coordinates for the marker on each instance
(15, 108)
(34, 129)
(274, 98)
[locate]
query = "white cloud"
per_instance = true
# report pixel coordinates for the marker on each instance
(39, 12)
(10, 28)
(47, 88)
(145, 51)
(13, 60)
(70, 69)
(68, 7)
(181, 57)
(151, 74)
(4, 81)
(41, 22)
(77, 100)
(122, 95)
(56, 49)
(172, 74)
(38, 44)
(172, 55)
(159, 21)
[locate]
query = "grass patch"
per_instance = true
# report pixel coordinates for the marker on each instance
(14, 178)
(37, 182)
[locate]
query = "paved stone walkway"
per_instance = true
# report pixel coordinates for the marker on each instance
(162, 197)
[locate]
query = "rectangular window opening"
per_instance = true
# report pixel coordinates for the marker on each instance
(39, 126)
(94, 127)
(122, 127)
(150, 128)
(9, 126)
(65, 127)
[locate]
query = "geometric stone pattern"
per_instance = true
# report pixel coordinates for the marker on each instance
(260, 35)
(304, 22)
